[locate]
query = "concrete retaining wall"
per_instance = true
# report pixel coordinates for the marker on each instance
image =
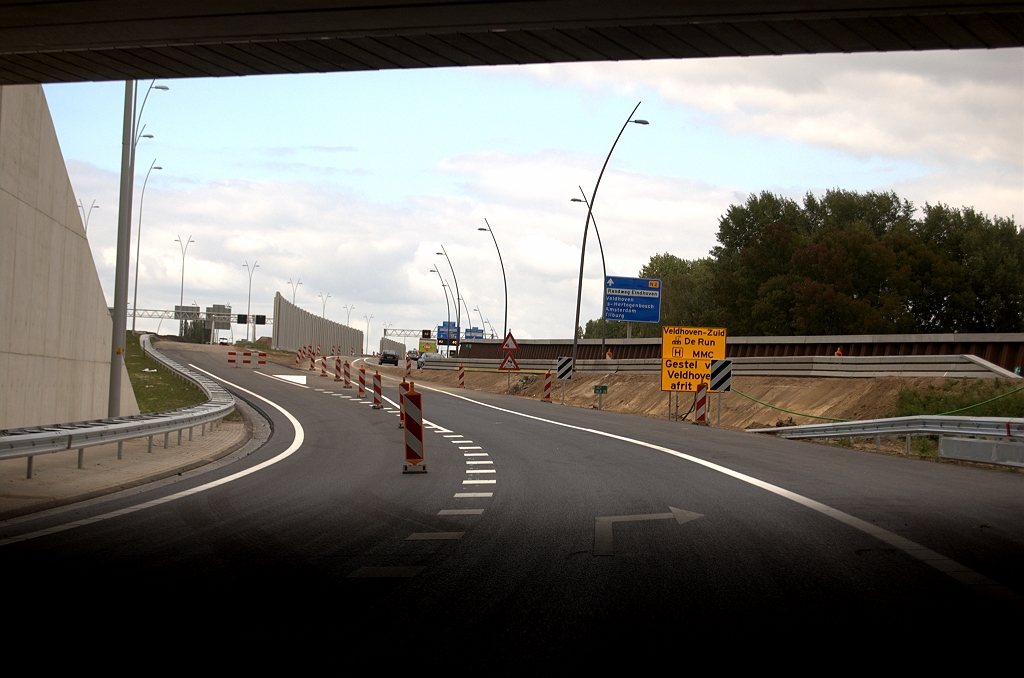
(295, 327)
(55, 328)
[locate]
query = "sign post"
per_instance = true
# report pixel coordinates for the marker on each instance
(635, 300)
(509, 364)
(687, 354)
(599, 391)
(563, 371)
(721, 380)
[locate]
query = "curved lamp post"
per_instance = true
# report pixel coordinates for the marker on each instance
(324, 299)
(444, 286)
(488, 229)
(366, 351)
(184, 248)
(604, 271)
(130, 136)
(87, 213)
(248, 307)
(295, 287)
(458, 308)
(138, 244)
(590, 209)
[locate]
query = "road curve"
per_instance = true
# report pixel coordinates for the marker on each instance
(540, 536)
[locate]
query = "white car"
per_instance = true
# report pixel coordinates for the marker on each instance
(424, 356)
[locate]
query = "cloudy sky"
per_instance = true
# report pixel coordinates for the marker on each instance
(352, 182)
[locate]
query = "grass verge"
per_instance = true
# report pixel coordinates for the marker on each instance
(157, 389)
(955, 394)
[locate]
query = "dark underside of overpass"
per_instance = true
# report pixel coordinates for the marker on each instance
(131, 39)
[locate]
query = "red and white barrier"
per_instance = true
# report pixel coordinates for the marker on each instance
(547, 388)
(408, 367)
(323, 366)
(348, 379)
(414, 449)
(312, 362)
(231, 358)
(701, 410)
(352, 351)
(462, 376)
(247, 358)
(362, 381)
(337, 369)
(261, 359)
(402, 389)
(378, 401)
(318, 349)
(297, 353)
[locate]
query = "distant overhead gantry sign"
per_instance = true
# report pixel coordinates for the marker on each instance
(415, 334)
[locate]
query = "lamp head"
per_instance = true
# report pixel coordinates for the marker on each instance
(481, 229)
(157, 167)
(640, 122)
(575, 200)
(147, 136)
(161, 87)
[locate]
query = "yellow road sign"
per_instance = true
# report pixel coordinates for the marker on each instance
(686, 355)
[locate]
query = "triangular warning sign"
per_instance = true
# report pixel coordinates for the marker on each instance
(509, 364)
(509, 344)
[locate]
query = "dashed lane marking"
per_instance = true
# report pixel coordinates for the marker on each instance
(479, 482)
(470, 461)
(480, 470)
(472, 447)
(473, 495)
(476, 454)
(460, 512)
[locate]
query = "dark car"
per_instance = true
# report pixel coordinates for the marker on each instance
(388, 358)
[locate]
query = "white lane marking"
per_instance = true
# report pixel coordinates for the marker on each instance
(319, 389)
(480, 470)
(471, 461)
(460, 512)
(296, 444)
(473, 495)
(454, 436)
(963, 574)
(423, 536)
(472, 447)
(286, 378)
(479, 482)
(476, 454)
(460, 442)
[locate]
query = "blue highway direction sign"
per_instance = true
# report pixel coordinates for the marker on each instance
(634, 299)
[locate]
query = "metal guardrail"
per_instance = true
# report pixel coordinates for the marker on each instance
(30, 441)
(983, 427)
(950, 366)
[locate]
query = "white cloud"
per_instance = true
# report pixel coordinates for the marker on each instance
(937, 104)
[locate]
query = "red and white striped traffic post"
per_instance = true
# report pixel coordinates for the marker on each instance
(547, 388)
(378, 401)
(312, 362)
(402, 389)
(462, 376)
(414, 452)
(408, 367)
(362, 381)
(261, 359)
(337, 369)
(348, 379)
(701, 411)
(323, 366)
(296, 357)
(352, 351)
(231, 359)
(247, 358)
(318, 349)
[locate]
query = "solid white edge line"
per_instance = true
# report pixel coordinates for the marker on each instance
(965, 575)
(296, 444)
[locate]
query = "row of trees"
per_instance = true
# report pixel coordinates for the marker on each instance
(845, 263)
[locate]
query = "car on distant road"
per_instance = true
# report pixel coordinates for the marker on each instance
(388, 357)
(413, 353)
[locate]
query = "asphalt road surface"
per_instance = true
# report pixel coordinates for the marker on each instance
(540, 536)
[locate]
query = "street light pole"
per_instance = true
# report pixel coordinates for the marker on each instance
(324, 299)
(248, 305)
(500, 261)
(366, 351)
(138, 244)
(458, 310)
(87, 213)
(590, 209)
(483, 325)
(294, 287)
(444, 287)
(604, 271)
(181, 301)
(348, 314)
(129, 138)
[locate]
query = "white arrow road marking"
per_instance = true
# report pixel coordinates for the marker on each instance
(603, 526)
(975, 580)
